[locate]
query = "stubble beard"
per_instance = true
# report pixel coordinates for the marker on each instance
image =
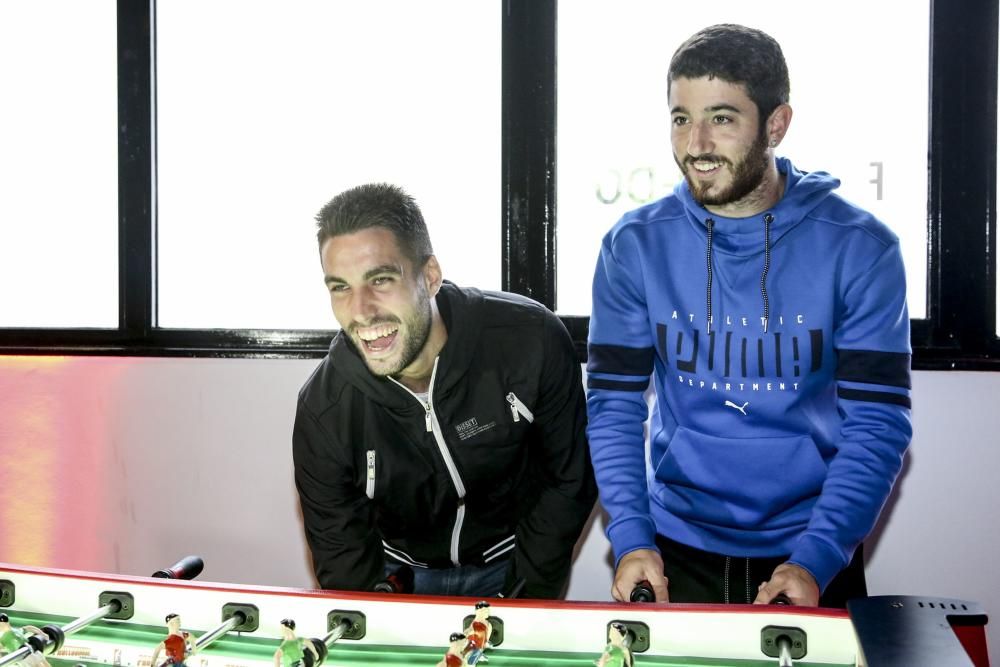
(415, 330)
(748, 174)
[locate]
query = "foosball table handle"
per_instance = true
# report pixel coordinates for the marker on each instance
(188, 567)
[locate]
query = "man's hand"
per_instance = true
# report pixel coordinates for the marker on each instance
(636, 566)
(793, 581)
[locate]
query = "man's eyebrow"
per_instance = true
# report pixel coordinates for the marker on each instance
(713, 108)
(393, 269)
(724, 107)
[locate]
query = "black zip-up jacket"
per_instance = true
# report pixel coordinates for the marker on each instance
(494, 465)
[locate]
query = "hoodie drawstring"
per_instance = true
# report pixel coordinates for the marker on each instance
(768, 219)
(708, 301)
(710, 224)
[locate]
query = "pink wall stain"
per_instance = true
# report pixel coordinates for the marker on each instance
(57, 458)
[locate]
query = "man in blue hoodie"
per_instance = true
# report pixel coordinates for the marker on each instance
(772, 316)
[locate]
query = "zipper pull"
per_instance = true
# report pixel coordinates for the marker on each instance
(512, 399)
(519, 409)
(427, 418)
(370, 477)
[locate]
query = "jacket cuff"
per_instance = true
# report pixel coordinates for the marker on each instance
(627, 535)
(819, 558)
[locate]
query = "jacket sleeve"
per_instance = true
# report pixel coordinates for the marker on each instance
(547, 533)
(872, 343)
(619, 363)
(338, 520)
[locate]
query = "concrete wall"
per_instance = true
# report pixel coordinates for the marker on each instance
(126, 465)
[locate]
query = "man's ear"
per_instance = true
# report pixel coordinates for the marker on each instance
(777, 124)
(432, 275)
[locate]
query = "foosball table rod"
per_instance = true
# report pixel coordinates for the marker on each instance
(50, 640)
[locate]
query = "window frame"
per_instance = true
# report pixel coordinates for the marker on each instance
(958, 333)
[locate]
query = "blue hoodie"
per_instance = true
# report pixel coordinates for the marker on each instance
(781, 350)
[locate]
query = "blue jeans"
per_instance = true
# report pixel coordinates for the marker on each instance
(465, 580)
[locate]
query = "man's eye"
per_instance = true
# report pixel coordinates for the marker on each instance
(381, 281)
(722, 120)
(338, 289)
(679, 120)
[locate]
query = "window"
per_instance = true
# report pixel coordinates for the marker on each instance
(858, 114)
(58, 164)
(242, 137)
(266, 110)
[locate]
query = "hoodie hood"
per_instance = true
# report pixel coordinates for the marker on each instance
(452, 362)
(757, 234)
(804, 191)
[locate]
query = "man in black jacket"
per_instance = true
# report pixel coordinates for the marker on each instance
(445, 429)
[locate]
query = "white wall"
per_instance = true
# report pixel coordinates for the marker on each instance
(170, 457)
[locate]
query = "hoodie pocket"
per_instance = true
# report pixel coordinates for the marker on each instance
(747, 483)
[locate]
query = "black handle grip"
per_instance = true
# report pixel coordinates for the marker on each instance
(643, 592)
(400, 581)
(188, 567)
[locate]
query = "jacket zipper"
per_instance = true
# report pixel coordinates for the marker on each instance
(519, 409)
(370, 478)
(433, 426)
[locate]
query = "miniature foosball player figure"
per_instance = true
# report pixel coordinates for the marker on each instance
(177, 645)
(14, 639)
(617, 652)
(478, 635)
(292, 652)
(456, 649)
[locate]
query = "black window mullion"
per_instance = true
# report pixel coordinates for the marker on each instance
(962, 193)
(136, 252)
(528, 149)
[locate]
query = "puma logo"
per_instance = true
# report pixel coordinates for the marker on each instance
(741, 408)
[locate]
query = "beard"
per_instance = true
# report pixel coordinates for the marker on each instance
(748, 174)
(418, 327)
(414, 329)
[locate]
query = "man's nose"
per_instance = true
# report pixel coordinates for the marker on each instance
(700, 140)
(363, 305)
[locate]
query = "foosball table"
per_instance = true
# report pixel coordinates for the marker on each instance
(94, 619)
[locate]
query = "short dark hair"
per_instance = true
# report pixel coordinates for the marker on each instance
(168, 617)
(482, 604)
(739, 55)
(455, 636)
(377, 205)
(288, 623)
(4, 618)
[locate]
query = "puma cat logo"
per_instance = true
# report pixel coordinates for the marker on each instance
(741, 408)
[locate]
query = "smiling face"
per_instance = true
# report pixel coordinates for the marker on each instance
(382, 302)
(721, 145)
